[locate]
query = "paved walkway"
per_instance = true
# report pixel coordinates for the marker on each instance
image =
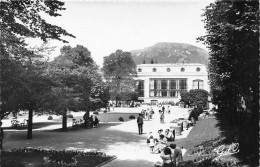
(120, 139)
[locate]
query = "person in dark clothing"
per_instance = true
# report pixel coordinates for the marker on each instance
(140, 124)
(194, 113)
(163, 109)
(96, 122)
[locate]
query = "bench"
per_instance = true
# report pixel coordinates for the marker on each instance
(77, 123)
(15, 123)
(24, 123)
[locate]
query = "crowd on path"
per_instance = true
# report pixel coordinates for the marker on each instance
(162, 142)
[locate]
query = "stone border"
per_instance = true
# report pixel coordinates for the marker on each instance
(106, 162)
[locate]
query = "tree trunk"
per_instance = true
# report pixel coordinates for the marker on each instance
(64, 120)
(30, 120)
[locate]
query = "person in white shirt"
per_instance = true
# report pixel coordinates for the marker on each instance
(160, 145)
(169, 136)
(151, 143)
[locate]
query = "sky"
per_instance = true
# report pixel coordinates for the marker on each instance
(104, 26)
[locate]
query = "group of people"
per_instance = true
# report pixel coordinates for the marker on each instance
(159, 142)
(91, 121)
(171, 155)
(147, 113)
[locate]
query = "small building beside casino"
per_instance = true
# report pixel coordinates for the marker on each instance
(165, 82)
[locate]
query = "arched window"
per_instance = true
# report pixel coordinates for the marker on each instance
(154, 69)
(198, 84)
(182, 69)
(139, 70)
(168, 69)
(198, 69)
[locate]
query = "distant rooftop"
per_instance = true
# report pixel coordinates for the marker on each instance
(170, 64)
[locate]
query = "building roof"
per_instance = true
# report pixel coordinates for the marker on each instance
(171, 65)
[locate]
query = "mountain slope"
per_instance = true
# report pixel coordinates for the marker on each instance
(165, 52)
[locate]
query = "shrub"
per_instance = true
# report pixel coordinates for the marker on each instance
(50, 117)
(105, 111)
(131, 117)
(70, 116)
(121, 119)
(96, 112)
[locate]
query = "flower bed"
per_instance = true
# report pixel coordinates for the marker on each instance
(54, 158)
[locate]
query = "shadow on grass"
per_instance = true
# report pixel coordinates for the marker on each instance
(91, 139)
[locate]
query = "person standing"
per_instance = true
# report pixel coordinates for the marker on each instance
(161, 116)
(1, 136)
(163, 109)
(140, 121)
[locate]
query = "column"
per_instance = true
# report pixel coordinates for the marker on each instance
(146, 88)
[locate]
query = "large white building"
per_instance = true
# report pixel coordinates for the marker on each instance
(165, 82)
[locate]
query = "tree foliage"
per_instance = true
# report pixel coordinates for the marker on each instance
(119, 69)
(23, 78)
(195, 97)
(24, 18)
(76, 83)
(23, 81)
(233, 41)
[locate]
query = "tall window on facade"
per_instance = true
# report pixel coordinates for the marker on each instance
(173, 87)
(197, 84)
(167, 87)
(155, 85)
(140, 88)
(173, 84)
(183, 84)
(164, 87)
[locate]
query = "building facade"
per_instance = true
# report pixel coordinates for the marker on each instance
(165, 82)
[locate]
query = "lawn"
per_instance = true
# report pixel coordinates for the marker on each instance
(205, 129)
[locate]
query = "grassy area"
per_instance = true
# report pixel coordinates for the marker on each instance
(205, 129)
(21, 159)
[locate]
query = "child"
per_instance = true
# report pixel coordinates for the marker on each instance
(151, 143)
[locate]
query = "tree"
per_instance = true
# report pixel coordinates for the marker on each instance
(119, 69)
(195, 97)
(24, 18)
(233, 41)
(144, 62)
(77, 84)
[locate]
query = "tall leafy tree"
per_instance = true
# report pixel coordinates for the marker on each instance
(233, 42)
(21, 69)
(119, 70)
(77, 84)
